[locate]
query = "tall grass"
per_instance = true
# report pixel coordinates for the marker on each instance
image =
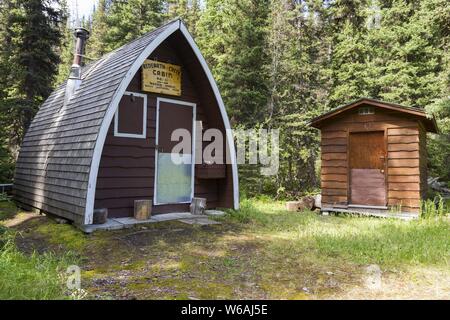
(7, 207)
(388, 242)
(361, 240)
(4, 196)
(35, 276)
(433, 208)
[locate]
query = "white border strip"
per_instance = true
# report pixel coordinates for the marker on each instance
(144, 120)
(194, 116)
(90, 197)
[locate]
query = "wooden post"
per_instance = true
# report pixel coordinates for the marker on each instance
(142, 209)
(293, 205)
(198, 206)
(305, 203)
(100, 216)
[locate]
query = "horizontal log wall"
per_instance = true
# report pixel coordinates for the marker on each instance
(423, 162)
(334, 180)
(404, 168)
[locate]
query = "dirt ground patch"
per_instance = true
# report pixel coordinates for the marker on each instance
(277, 259)
(172, 260)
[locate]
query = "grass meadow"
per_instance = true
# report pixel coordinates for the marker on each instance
(261, 251)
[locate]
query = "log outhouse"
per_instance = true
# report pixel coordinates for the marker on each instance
(104, 139)
(374, 156)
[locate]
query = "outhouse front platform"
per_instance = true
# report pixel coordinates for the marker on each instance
(374, 156)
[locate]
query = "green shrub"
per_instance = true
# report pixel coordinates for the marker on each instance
(6, 166)
(7, 207)
(248, 213)
(4, 197)
(439, 155)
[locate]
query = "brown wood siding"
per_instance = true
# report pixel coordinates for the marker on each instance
(404, 163)
(403, 168)
(423, 162)
(334, 181)
(127, 166)
(367, 187)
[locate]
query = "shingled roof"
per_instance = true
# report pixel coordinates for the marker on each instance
(428, 121)
(59, 158)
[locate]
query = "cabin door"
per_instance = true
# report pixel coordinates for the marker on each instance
(367, 157)
(174, 171)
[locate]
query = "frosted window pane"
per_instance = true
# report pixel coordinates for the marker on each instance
(174, 180)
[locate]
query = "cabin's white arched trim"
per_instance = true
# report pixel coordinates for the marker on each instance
(90, 197)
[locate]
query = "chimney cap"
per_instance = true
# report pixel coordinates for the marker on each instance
(81, 32)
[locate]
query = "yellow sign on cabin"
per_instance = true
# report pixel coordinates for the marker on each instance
(160, 77)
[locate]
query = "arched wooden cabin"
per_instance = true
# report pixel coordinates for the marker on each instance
(373, 156)
(102, 139)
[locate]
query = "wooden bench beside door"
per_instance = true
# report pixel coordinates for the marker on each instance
(367, 156)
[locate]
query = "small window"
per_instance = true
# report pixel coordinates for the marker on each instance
(365, 111)
(130, 120)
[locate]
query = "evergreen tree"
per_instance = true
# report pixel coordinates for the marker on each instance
(298, 47)
(35, 55)
(437, 15)
(233, 38)
(10, 119)
(29, 58)
(405, 59)
(6, 38)
(30, 36)
(233, 35)
(128, 19)
(95, 47)
(7, 35)
(6, 157)
(383, 49)
(187, 10)
(278, 63)
(67, 45)
(349, 52)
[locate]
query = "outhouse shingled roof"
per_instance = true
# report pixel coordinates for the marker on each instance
(428, 121)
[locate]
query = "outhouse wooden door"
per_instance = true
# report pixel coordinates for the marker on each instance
(367, 156)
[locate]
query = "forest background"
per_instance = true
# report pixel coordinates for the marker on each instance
(278, 64)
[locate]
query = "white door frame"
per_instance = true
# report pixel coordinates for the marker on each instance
(194, 113)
